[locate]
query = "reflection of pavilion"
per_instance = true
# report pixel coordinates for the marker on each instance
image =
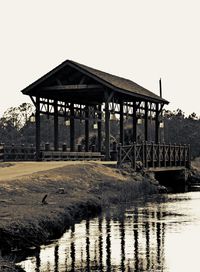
(135, 242)
(73, 91)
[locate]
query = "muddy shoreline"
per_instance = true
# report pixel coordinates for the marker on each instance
(73, 193)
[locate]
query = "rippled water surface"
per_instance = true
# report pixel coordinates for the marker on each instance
(158, 235)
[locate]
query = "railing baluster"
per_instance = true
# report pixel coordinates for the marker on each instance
(180, 160)
(174, 154)
(170, 155)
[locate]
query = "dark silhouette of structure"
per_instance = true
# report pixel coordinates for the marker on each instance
(75, 91)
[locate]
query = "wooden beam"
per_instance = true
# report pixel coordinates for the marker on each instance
(107, 131)
(37, 127)
(72, 87)
(55, 125)
(99, 128)
(121, 121)
(157, 124)
(146, 122)
(32, 99)
(82, 80)
(134, 122)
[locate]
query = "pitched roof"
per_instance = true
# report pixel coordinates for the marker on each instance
(111, 81)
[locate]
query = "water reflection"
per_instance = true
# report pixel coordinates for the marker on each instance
(136, 239)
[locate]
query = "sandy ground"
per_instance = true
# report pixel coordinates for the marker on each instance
(13, 170)
(196, 164)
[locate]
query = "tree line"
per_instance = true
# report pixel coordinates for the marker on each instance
(16, 128)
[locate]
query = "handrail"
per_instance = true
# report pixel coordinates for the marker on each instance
(154, 155)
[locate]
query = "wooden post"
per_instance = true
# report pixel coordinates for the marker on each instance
(185, 154)
(37, 127)
(72, 128)
(107, 131)
(121, 123)
(145, 155)
(164, 155)
(55, 125)
(157, 124)
(134, 156)
(86, 128)
(99, 128)
(159, 159)
(146, 122)
(134, 122)
(119, 155)
(152, 154)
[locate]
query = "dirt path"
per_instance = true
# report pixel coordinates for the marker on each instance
(18, 169)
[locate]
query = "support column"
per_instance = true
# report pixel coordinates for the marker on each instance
(121, 123)
(37, 127)
(86, 129)
(146, 122)
(107, 131)
(99, 128)
(55, 125)
(157, 124)
(134, 122)
(72, 128)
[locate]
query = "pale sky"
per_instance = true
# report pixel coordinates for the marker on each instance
(140, 40)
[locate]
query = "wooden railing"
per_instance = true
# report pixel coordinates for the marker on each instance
(28, 153)
(17, 153)
(1, 153)
(154, 155)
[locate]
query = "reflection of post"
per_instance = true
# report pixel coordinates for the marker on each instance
(136, 244)
(108, 245)
(88, 244)
(122, 235)
(158, 238)
(73, 251)
(38, 262)
(100, 245)
(56, 258)
(147, 232)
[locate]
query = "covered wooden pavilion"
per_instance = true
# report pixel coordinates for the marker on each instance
(75, 91)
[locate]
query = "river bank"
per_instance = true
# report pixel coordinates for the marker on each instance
(29, 219)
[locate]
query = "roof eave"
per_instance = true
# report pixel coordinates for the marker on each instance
(28, 89)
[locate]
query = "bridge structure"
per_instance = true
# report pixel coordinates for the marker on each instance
(155, 157)
(169, 163)
(74, 92)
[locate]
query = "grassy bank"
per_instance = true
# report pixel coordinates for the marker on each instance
(73, 192)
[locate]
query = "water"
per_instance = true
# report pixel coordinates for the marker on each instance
(159, 235)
